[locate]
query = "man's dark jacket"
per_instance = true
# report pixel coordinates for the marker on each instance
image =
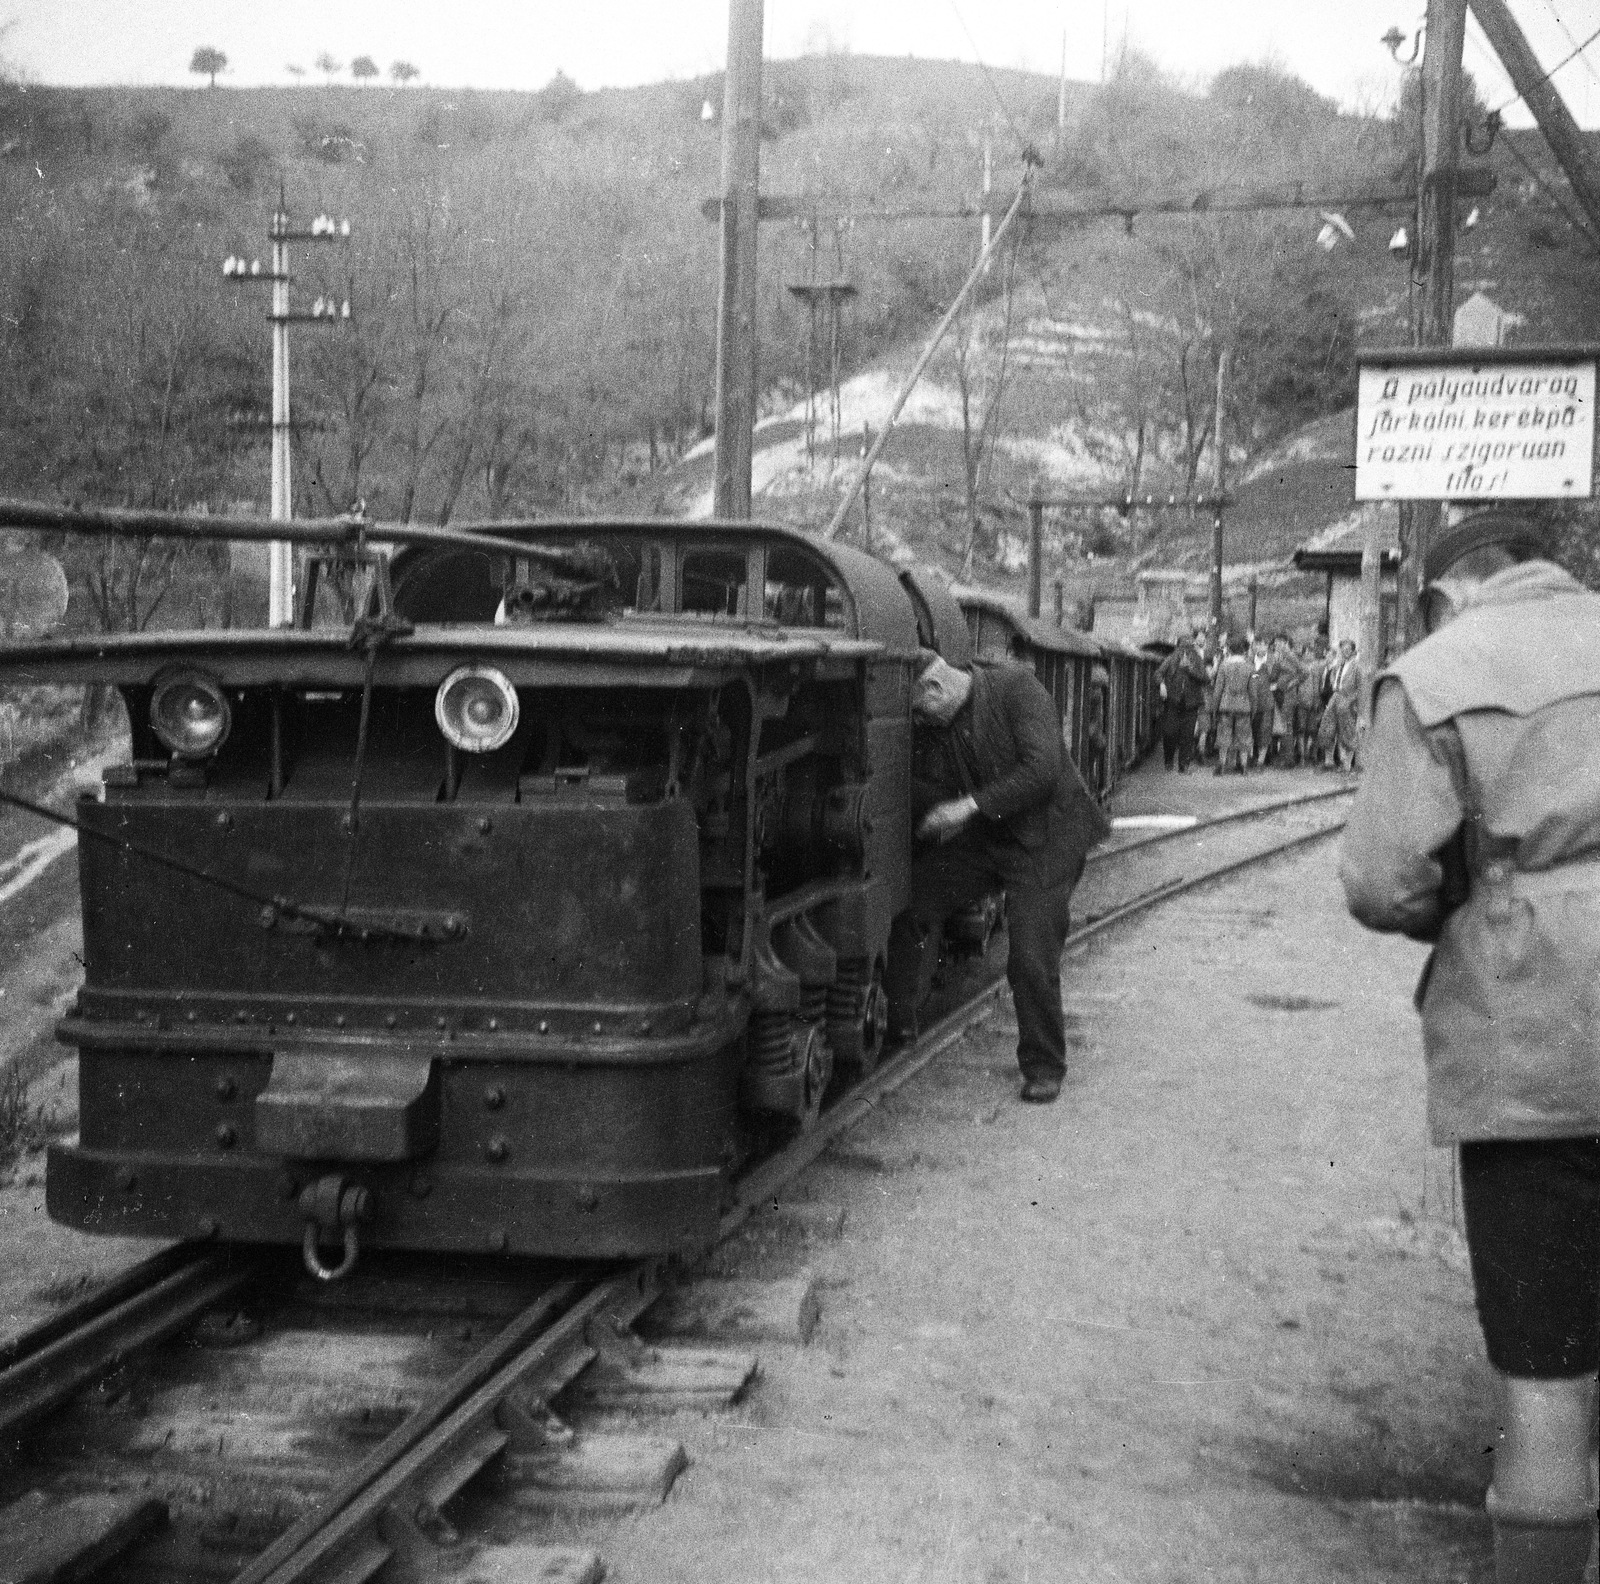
(1184, 673)
(1028, 791)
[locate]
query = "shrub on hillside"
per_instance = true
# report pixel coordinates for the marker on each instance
(332, 142)
(246, 162)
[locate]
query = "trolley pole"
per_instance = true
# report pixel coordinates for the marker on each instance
(736, 297)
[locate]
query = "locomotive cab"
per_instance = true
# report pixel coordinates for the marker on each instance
(501, 918)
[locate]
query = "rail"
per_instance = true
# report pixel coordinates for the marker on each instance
(392, 1500)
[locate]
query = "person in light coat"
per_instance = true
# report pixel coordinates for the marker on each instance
(1477, 828)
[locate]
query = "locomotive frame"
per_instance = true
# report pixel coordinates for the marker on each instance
(352, 983)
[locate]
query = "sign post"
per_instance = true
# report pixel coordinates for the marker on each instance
(1476, 424)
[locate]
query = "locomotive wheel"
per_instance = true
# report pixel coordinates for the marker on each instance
(818, 1070)
(858, 1041)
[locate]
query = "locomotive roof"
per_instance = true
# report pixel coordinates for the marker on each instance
(1040, 633)
(421, 656)
(878, 609)
(870, 614)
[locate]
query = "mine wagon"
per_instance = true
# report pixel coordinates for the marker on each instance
(1104, 691)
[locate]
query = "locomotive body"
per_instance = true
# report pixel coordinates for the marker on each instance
(500, 921)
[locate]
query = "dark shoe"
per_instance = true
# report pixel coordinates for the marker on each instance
(1217, 771)
(1040, 1091)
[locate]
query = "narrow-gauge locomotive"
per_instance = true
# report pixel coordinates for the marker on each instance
(503, 913)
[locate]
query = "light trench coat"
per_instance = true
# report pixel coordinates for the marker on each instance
(1477, 827)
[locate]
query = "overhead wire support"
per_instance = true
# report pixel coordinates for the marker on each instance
(836, 522)
(1060, 208)
(1545, 76)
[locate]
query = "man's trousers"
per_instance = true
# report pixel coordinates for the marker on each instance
(946, 879)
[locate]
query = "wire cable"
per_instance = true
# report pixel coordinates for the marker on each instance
(1016, 131)
(319, 918)
(1577, 224)
(1544, 77)
(1572, 40)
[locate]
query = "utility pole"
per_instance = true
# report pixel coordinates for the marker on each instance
(1218, 480)
(1544, 99)
(1035, 549)
(866, 490)
(280, 553)
(1436, 253)
(988, 185)
(736, 297)
(1061, 97)
(280, 565)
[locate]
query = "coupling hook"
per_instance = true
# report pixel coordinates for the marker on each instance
(313, 1259)
(330, 1205)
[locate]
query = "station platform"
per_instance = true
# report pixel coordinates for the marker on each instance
(1206, 1318)
(1150, 791)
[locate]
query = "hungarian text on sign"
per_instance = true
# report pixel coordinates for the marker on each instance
(1508, 431)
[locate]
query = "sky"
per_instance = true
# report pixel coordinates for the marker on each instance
(1333, 44)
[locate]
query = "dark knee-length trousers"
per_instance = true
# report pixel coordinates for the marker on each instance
(1037, 920)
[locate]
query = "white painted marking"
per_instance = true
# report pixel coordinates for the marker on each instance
(32, 859)
(1154, 821)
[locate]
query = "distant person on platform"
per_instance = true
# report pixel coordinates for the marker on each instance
(1183, 682)
(1308, 705)
(1231, 705)
(1337, 736)
(1283, 677)
(999, 807)
(1478, 829)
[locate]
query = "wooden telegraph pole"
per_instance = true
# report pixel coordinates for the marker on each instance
(1219, 477)
(1543, 98)
(1436, 254)
(736, 297)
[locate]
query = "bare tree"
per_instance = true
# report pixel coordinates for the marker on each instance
(329, 65)
(401, 72)
(977, 366)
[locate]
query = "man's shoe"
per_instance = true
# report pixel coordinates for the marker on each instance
(1040, 1091)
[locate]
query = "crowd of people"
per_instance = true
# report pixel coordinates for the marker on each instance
(1244, 701)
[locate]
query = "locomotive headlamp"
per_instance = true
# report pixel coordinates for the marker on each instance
(189, 713)
(476, 708)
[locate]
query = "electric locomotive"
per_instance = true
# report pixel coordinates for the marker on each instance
(500, 911)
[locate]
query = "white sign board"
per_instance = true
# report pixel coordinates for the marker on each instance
(1475, 431)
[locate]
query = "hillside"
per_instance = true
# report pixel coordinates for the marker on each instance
(532, 289)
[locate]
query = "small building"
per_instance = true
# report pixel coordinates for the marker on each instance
(1336, 552)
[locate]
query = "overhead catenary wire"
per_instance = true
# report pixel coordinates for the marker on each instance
(1016, 131)
(1577, 223)
(1545, 76)
(909, 383)
(1561, 23)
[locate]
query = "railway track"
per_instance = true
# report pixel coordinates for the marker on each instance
(161, 1431)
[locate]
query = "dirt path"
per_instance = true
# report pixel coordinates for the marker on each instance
(41, 942)
(1193, 1322)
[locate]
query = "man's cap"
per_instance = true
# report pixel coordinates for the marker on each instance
(1521, 537)
(925, 658)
